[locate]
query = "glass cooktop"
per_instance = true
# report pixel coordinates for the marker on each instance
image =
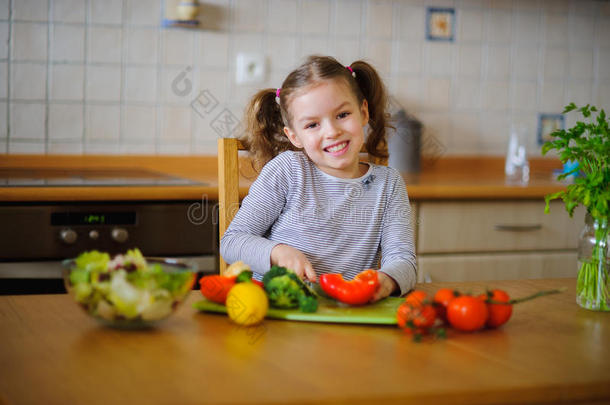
(87, 177)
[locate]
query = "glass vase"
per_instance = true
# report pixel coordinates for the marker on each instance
(593, 283)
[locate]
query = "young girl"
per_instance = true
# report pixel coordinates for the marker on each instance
(315, 208)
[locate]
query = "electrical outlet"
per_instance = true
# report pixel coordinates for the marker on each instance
(250, 68)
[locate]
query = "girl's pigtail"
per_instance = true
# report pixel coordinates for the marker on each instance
(264, 133)
(374, 92)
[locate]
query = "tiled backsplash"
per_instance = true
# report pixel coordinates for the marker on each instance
(103, 76)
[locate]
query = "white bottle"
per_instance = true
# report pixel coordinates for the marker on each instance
(516, 168)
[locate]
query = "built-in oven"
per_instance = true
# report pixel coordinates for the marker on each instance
(36, 236)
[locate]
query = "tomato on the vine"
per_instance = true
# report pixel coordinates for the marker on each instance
(499, 314)
(467, 313)
(416, 297)
(417, 316)
(441, 300)
(413, 316)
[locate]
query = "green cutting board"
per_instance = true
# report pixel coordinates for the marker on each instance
(380, 313)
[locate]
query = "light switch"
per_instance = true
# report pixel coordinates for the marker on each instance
(250, 68)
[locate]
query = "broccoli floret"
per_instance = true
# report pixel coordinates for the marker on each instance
(286, 290)
(308, 303)
(274, 271)
(244, 277)
(283, 292)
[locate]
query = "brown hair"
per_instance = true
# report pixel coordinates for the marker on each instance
(265, 118)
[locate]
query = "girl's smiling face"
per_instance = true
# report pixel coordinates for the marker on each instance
(327, 122)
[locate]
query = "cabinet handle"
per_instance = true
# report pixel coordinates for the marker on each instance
(517, 228)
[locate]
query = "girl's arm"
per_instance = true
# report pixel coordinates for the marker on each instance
(397, 246)
(244, 239)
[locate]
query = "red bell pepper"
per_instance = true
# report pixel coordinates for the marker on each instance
(216, 287)
(358, 291)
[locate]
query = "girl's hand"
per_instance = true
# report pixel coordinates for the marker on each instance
(293, 259)
(387, 286)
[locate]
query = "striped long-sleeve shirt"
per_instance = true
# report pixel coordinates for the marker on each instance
(341, 225)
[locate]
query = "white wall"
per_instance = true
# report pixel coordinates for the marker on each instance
(95, 76)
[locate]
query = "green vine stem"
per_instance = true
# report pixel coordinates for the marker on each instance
(529, 297)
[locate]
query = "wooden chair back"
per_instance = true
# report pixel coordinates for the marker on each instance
(228, 183)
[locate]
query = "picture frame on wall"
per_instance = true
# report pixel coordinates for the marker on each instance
(547, 124)
(440, 24)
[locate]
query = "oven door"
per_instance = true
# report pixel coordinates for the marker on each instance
(36, 237)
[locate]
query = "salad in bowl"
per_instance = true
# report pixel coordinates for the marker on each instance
(128, 290)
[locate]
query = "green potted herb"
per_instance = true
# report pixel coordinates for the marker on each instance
(588, 144)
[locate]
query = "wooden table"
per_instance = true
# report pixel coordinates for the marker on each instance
(551, 351)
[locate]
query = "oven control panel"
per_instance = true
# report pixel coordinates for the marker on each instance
(70, 236)
(59, 231)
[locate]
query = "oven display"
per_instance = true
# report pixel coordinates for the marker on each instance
(93, 218)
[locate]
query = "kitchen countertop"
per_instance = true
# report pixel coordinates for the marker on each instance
(551, 351)
(445, 178)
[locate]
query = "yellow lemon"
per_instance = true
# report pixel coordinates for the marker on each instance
(247, 304)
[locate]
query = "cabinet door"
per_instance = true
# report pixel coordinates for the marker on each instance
(499, 266)
(485, 226)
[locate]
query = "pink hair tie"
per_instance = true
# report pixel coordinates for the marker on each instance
(277, 95)
(351, 70)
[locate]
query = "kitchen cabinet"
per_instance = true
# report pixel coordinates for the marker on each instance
(494, 240)
(469, 224)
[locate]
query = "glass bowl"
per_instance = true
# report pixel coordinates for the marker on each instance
(129, 296)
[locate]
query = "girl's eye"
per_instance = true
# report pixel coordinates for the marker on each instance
(312, 125)
(343, 114)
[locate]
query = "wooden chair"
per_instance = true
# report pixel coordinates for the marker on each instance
(228, 183)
